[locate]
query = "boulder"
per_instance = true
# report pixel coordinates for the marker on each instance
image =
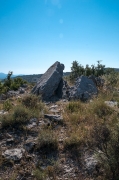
(49, 82)
(83, 89)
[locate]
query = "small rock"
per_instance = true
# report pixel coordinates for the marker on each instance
(9, 141)
(24, 86)
(64, 100)
(21, 91)
(29, 146)
(54, 106)
(3, 97)
(32, 123)
(30, 126)
(13, 154)
(33, 120)
(111, 103)
(47, 103)
(2, 112)
(53, 117)
(12, 93)
(90, 163)
(54, 111)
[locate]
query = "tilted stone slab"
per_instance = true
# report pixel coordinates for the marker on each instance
(49, 82)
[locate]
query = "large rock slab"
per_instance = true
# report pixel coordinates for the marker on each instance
(49, 82)
(83, 89)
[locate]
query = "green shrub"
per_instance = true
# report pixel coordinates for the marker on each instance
(74, 106)
(6, 120)
(112, 78)
(104, 141)
(51, 172)
(78, 70)
(102, 110)
(72, 142)
(30, 101)
(14, 86)
(19, 117)
(39, 174)
(11, 84)
(7, 105)
(16, 83)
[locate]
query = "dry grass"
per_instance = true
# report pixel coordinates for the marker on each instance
(83, 123)
(83, 119)
(47, 140)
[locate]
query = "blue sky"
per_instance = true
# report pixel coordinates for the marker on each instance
(36, 33)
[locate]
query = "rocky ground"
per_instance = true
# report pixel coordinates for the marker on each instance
(60, 137)
(19, 156)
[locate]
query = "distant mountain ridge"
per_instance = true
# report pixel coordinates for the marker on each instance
(3, 75)
(34, 77)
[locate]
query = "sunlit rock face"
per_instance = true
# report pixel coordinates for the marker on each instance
(83, 89)
(49, 82)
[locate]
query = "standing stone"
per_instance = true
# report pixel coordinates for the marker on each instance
(49, 82)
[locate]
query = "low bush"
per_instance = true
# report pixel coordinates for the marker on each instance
(7, 105)
(74, 106)
(72, 142)
(104, 142)
(6, 120)
(78, 70)
(47, 140)
(39, 174)
(11, 84)
(101, 109)
(30, 101)
(20, 116)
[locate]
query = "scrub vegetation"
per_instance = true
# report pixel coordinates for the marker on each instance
(90, 127)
